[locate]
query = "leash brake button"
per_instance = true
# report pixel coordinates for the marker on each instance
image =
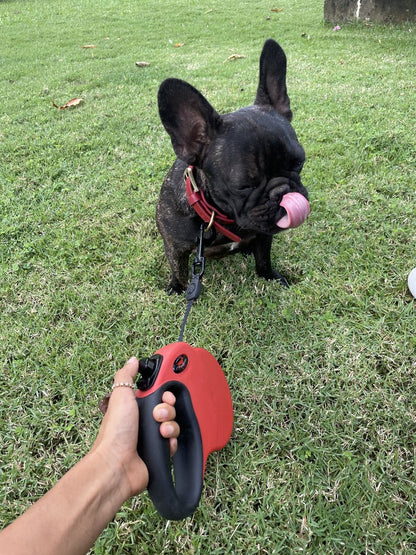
(148, 370)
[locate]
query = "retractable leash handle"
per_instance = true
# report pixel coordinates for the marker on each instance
(205, 416)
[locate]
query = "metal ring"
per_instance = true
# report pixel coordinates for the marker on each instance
(211, 221)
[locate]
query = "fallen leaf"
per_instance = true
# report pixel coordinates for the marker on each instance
(89, 46)
(103, 404)
(277, 10)
(179, 44)
(69, 104)
(142, 64)
(233, 57)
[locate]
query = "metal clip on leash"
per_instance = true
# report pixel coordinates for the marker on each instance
(195, 285)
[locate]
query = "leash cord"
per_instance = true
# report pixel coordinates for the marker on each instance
(185, 318)
(195, 285)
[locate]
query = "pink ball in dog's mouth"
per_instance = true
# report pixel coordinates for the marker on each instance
(297, 210)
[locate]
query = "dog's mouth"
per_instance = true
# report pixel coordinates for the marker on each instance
(281, 204)
(297, 210)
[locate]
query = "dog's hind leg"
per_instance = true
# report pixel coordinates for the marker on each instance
(179, 264)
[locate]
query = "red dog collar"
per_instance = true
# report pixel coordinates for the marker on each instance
(208, 213)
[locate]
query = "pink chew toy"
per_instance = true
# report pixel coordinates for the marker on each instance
(297, 210)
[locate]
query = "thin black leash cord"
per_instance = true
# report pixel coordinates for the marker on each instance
(195, 285)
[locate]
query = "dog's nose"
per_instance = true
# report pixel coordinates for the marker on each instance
(278, 187)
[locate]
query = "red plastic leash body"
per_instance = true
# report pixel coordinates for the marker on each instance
(208, 213)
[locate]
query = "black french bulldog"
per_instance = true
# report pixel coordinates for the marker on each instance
(244, 162)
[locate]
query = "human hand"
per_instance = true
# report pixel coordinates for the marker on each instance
(117, 437)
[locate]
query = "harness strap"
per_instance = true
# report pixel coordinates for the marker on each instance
(207, 212)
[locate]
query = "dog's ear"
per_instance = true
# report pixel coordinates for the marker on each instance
(189, 118)
(272, 83)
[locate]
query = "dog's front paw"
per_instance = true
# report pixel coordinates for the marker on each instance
(275, 276)
(175, 288)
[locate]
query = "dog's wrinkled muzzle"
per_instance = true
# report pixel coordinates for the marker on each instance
(280, 203)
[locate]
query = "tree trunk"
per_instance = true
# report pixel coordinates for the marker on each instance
(379, 11)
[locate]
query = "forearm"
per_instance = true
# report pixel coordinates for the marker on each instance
(69, 518)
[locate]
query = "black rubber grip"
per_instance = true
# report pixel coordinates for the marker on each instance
(175, 492)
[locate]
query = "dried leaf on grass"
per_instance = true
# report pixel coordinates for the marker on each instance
(179, 44)
(142, 64)
(89, 46)
(277, 10)
(69, 104)
(103, 404)
(233, 57)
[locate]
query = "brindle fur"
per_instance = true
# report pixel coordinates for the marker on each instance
(244, 162)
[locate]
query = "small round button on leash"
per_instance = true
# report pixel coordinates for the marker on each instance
(181, 362)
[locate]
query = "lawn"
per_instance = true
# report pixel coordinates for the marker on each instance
(322, 374)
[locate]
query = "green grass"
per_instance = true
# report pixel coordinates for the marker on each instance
(322, 375)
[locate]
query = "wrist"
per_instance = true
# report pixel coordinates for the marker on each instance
(125, 475)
